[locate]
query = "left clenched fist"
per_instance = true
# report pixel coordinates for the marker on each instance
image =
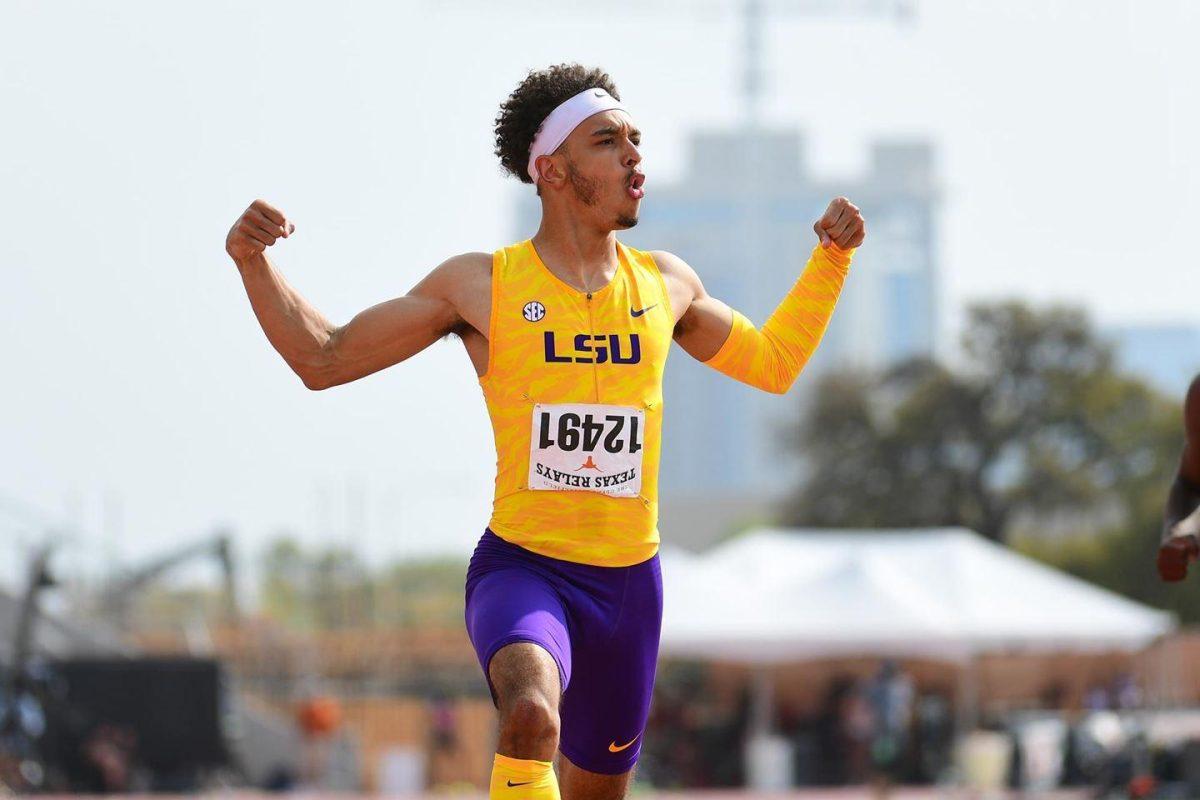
(842, 224)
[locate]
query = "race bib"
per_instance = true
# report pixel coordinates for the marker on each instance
(587, 447)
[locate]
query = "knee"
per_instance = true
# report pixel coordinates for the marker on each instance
(531, 717)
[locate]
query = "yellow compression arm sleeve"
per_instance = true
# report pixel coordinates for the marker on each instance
(771, 359)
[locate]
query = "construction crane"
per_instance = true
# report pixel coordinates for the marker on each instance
(27, 614)
(756, 16)
(117, 597)
(755, 22)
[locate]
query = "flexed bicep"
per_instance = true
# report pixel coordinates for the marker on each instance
(772, 357)
(702, 322)
(323, 354)
(381, 336)
(398, 329)
(704, 327)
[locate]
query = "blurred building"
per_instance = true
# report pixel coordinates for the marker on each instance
(742, 216)
(1167, 356)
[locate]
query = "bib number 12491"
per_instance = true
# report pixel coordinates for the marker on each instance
(587, 447)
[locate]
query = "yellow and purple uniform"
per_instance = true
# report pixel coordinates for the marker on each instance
(569, 560)
(574, 390)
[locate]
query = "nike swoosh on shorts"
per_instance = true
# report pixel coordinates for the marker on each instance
(613, 747)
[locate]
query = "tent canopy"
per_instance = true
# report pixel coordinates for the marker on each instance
(776, 595)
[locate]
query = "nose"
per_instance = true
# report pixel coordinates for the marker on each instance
(632, 156)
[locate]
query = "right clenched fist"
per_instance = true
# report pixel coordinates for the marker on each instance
(257, 229)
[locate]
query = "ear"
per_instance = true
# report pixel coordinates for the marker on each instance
(551, 170)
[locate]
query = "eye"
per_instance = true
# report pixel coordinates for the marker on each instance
(606, 141)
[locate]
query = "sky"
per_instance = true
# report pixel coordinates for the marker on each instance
(142, 406)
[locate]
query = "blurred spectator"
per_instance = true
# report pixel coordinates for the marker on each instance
(318, 717)
(108, 754)
(1126, 692)
(443, 738)
(1096, 698)
(890, 697)
(840, 734)
(934, 737)
(858, 720)
(694, 739)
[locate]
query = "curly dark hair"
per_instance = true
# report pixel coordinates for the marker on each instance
(530, 103)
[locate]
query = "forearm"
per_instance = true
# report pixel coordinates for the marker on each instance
(771, 358)
(1182, 505)
(297, 330)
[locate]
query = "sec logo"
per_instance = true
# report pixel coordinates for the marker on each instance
(533, 311)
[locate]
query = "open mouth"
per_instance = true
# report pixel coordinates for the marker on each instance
(635, 186)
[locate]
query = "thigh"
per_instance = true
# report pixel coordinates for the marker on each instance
(604, 713)
(512, 604)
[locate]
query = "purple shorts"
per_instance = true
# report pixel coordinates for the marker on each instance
(601, 625)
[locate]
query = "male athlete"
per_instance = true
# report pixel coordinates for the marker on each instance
(568, 333)
(1181, 529)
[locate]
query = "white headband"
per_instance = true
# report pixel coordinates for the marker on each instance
(566, 118)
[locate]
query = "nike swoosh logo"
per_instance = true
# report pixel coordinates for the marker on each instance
(511, 784)
(638, 313)
(613, 747)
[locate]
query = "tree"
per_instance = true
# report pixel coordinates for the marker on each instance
(284, 576)
(326, 589)
(331, 587)
(1037, 427)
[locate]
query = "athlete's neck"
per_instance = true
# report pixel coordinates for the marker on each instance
(579, 255)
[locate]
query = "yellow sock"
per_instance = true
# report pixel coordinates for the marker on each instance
(522, 779)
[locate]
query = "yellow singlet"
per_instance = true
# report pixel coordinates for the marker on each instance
(574, 391)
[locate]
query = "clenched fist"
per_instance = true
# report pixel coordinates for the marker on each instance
(842, 225)
(1174, 556)
(257, 229)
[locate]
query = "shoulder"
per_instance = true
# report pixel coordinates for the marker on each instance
(465, 270)
(679, 276)
(457, 279)
(674, 268)
(466, 265)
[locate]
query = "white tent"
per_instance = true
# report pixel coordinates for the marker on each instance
(774, 596)
(777, 595)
